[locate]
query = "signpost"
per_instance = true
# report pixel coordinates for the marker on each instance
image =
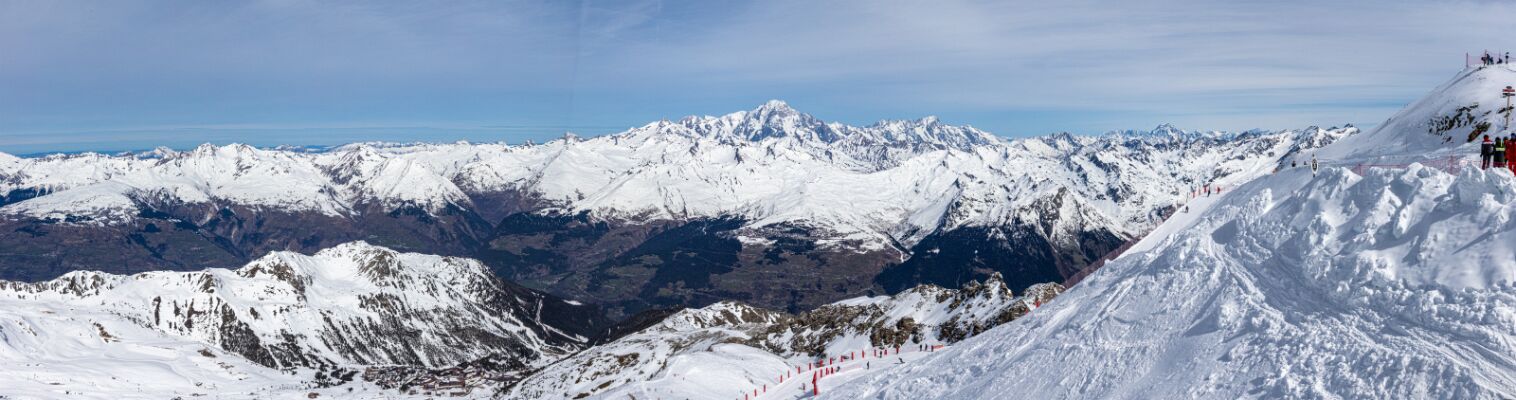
(1507, 93)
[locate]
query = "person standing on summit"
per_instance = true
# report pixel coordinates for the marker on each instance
(1486, 152)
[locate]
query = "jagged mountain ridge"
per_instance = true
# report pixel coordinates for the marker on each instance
(770, 193)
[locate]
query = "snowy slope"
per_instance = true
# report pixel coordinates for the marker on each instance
(60, 351)
(658, 353)
(713, 351)
(54, 351)
(1461, 111)
(334, 312)
(1397, 283)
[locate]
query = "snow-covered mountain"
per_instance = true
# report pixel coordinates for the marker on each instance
(334, 313)
(710, 351)
(770, 195)
(1381, 282)
(1460, 111)
(366, 321)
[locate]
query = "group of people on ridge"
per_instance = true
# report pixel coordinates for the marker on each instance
(1495, 59)
(1499, 153)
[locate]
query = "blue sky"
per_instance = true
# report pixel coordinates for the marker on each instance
(94, 75)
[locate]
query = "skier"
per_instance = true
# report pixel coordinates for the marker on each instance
(1486, 152)
(1500, 152)
(1292, 163)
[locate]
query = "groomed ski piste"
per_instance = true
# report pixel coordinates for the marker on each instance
(1389, 282)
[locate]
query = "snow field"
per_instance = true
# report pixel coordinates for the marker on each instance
(1393, 285)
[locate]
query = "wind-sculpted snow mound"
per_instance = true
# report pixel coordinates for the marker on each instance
(1394, 284)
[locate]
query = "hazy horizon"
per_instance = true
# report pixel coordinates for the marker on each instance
(401, 136)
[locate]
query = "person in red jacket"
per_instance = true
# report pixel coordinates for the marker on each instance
(1510, 152)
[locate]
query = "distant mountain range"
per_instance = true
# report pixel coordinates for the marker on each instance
(770, 206)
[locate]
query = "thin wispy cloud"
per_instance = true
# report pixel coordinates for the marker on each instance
(112, 70)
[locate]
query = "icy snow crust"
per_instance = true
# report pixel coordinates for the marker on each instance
(885, 185)
(1394, 284)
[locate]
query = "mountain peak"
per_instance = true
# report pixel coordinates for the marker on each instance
(778, 112)
(1166, 128)
(1457, 113)
(774, 106)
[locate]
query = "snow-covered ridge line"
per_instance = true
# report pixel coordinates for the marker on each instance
(341, 309)
(887, 185)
